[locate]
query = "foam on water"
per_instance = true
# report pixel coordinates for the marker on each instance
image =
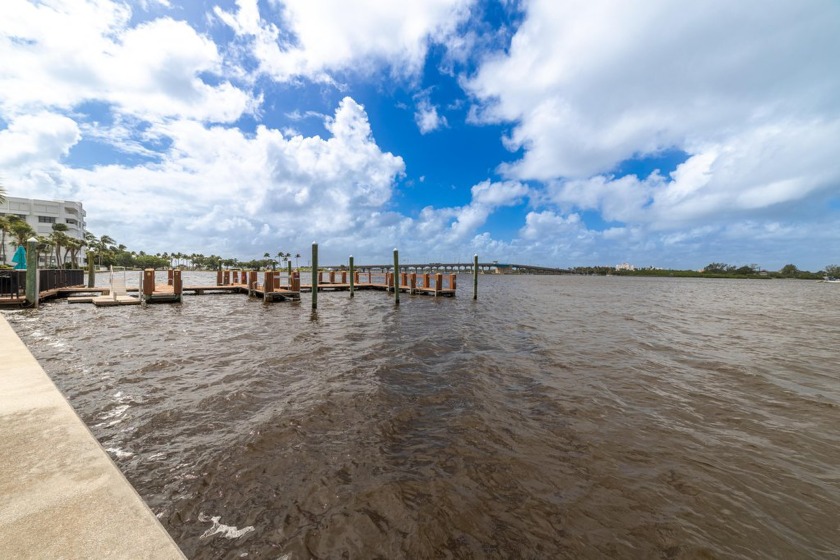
(119, 453)
(227, 531)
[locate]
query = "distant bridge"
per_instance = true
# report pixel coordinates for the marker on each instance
(486, 268)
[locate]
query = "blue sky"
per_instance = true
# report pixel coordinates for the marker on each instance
(549, 132)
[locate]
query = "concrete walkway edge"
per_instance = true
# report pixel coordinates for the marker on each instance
(61, 496)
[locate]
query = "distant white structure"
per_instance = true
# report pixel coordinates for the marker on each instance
(625, 266)
(41, 215)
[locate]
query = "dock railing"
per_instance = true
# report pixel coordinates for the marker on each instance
(12, 284)
(52, 279)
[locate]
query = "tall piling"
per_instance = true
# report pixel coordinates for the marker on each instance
(289, 270)
(268, 283)
(315, 275)
(352, 276)
(475, 276)
(148, 283)
(177, 284)
(91, 273)
(31, 272)
(396, 277)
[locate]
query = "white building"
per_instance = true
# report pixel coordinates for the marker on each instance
(625, 266)
(42, 214)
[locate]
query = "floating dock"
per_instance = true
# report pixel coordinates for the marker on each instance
(63, 497)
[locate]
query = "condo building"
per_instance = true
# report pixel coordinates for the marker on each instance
(41, 215)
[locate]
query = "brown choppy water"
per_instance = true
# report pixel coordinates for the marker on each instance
(556, 417)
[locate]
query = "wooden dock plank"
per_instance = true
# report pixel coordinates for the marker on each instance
(111, 301)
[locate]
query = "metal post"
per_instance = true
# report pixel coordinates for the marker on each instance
(315, 275)
(31, 272)
(396, 277)
(352, 276)
(475, 276)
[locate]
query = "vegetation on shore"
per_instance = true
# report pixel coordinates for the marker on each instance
(719, 270)
(58, 247)
(106, 253)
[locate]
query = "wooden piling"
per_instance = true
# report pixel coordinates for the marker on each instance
(226, 277)
(268, 282)
(91, 273)
(475, 276)
(219, 278)
(412, 283)
(352, 276)
(170, 277)
(452, 281)
(32, 272)
(148, 282)
(315, 276)
(289, 269)
(396, 277)
(438, 283)
(177, 284)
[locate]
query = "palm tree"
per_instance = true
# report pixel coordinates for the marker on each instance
(59, 239)
(4, 228)
(73, 247)
(43, 244)
(20, 230)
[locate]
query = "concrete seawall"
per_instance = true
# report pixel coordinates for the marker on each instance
(61, 496)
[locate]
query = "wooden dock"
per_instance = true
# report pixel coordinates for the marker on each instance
(72, 293)
(409, 282)
(277, 285)
(269, 286)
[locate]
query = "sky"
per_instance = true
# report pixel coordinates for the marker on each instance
(549, 132)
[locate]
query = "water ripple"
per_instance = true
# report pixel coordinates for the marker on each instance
(561, 417)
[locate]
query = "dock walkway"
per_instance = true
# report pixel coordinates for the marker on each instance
(63, 497)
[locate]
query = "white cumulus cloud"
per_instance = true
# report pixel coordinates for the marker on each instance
(746, 89)
(218, 189)
(63, 53)
(318, 38)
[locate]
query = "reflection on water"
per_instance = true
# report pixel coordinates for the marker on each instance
(555, 417)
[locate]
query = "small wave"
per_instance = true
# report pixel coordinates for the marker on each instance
(227, 531)
(116, 412)
(119, 453)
